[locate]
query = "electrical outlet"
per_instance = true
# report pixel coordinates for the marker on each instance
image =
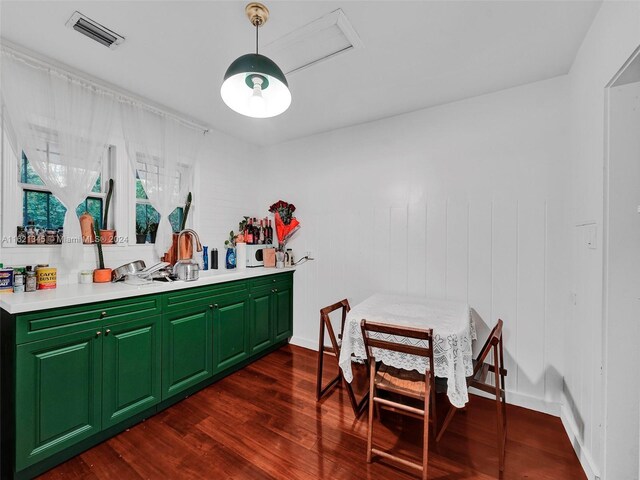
(309, 255)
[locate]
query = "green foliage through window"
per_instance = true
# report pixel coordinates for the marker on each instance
(44, 209)
(146, 216)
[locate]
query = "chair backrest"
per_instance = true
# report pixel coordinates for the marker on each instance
(493, 340)
(326, 320)
(398, 331)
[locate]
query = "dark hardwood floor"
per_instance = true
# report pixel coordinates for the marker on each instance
(263, 423)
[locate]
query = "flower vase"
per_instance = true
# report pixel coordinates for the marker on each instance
(279, 259)
(231, 258)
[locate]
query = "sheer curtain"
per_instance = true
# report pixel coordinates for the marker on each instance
(63, 125)
(172, 146)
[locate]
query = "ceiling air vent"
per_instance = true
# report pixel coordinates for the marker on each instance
(316, 42)
(93, 30)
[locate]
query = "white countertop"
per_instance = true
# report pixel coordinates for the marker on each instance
(77, 294)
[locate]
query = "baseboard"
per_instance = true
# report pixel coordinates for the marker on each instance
(526, 401)
(304, 343)
(588, 465)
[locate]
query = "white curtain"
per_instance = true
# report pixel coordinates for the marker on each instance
(63, 125)
(172, 146)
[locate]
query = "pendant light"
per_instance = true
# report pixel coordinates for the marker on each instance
(254, 85)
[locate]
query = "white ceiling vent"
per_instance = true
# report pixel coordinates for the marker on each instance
(317, 41)
(92, 29)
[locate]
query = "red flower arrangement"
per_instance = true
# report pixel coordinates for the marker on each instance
(286, 223)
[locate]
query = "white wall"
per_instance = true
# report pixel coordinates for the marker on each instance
(591, 422)
(462, 201)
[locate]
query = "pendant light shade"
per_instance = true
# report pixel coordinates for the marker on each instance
(254, 85)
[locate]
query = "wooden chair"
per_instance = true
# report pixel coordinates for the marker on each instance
(478, 380)
(334, 350)
(405, 383)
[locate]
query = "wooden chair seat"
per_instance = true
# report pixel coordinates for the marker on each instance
(403, 382)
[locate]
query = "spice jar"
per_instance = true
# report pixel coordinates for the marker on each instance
(50, 237)
(21, 236)
(31, 233)
(30, 282)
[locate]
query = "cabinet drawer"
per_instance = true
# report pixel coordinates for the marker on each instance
(193, 297)
(50, 323)
(271, 279)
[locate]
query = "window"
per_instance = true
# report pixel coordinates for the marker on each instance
(42, 208)
(146, 215)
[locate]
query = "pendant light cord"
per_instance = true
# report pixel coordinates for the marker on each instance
(257, 27)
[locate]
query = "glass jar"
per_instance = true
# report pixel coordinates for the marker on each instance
(21, 236)
(50, 237)
(30, 283)
(31, 234)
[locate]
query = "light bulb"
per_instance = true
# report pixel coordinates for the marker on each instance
(257, 103)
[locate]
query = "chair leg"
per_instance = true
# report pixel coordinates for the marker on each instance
(447, 420)
(425, 445)
(372, 377)
(434, 411)
(499, 418)
(320, 362)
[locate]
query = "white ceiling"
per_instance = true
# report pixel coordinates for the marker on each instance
(416, 54)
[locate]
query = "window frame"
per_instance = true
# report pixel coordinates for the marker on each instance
(102, 194)
(183, 171)
(12, 191)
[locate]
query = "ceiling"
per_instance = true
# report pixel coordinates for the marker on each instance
(416, 54)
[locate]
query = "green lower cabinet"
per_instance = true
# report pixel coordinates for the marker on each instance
(73, 382)
(261, 319)
(230, 331)
(187, 349)
(283, 295)
(58, 394)
(131, 378)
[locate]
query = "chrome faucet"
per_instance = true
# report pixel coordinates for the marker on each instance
(197, 238)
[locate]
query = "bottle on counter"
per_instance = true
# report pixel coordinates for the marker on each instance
(248, 238)
(262, 237)
(214, 259)
(205, 257)
(270, 232)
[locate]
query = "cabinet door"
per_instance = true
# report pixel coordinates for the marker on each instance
(131, 369)
(188, 346)
(261, 319)
(58, 394)
(283, 316)
(230, 331)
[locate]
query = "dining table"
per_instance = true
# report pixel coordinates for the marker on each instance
(453, 335)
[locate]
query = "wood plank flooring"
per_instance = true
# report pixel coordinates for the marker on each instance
(263, 423)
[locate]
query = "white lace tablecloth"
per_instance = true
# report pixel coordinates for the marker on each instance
(453, 332)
